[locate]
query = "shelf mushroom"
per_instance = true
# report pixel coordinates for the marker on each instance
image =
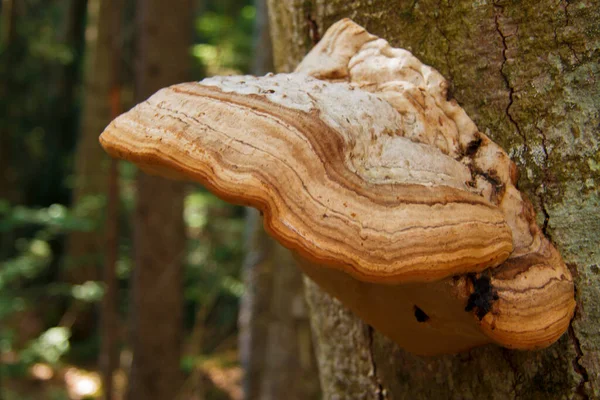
(385, 191)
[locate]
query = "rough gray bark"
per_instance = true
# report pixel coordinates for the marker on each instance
(527, 73)
(165, 33)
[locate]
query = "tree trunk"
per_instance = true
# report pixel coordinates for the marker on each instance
(527, 73)
(85, 249)
(109, 333)
(8, 175)
(165, 33)
(275, 341)
(9, 190)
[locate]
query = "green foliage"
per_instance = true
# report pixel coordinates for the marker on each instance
(89, 292)
(39, 114)
(49, 347)
(54, 219)
(32, 254)
(51, 394)
(215, 254)
(225, 41)
(22, 281)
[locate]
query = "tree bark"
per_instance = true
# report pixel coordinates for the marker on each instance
(164, 35)
(109, 346)
(275, 340)
(527, 73)
(85, 249)
(8, 175)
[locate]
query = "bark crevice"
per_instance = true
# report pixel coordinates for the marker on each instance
(566, 8)
(509, 87)
(544, 186)
(312, 28)
(559, 42)
(577, 365)
(380, 392)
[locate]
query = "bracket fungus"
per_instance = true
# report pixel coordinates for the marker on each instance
(386, 192)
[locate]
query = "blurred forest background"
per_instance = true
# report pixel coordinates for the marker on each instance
(117, 285)
(72, 221)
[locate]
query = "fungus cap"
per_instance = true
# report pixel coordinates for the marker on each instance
(384, 189)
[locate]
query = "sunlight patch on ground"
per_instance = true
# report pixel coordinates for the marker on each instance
(42, 372)
(226, 378)
(82, 384)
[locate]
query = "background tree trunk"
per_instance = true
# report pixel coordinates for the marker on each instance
(275, 338)
(9, 190)
(276, 349)
(528, 75)
(109, 332)
(85, 249)
(8, 176)
(164, 30)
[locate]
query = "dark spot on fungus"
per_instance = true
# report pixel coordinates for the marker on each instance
(420, 315)
(482, 297)
(347, 257)
(492, 177)
(473, 147)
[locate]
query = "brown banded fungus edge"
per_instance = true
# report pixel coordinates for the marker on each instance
(385, 190)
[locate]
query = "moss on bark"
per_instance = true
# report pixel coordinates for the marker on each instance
(528, 73)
